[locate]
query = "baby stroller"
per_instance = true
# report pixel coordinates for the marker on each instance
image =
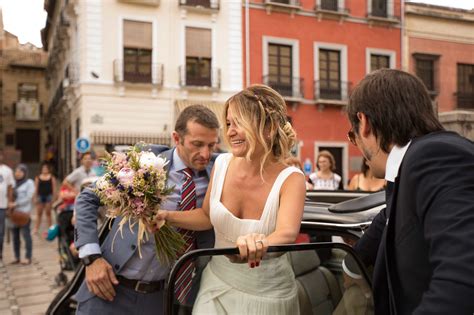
(65, 232)
(65, 236)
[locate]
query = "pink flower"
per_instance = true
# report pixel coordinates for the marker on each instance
(119, 160)
(138, 206)
(125, 176)
(119, 157)
(112, 194)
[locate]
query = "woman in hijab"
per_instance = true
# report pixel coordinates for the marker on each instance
(24, 192)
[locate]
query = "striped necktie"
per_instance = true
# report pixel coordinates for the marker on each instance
(188, 202)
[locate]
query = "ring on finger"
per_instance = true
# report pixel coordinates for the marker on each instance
(259, 241)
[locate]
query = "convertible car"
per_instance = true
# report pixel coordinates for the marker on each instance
(330, 277)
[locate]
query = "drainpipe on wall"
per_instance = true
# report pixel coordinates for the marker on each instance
(404, 64)
(247, 45)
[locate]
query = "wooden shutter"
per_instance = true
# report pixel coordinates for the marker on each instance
(198, 42)
(137, 34)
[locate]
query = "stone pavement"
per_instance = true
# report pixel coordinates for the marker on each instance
(28, 290)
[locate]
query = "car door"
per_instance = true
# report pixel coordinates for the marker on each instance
(326, 229)
(330, 278)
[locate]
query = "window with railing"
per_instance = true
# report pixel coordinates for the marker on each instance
(137, 51)
(330, 5)
(202, 3)
(379, 8)
(198, 71)
(208, 4)
(137, 65)
(425, 69)
(465, 86)
(280, 70)
(27, 91)
(198, 57)
(27, 108)
(329, 84)
(384, 11)
(379, 62)
(288, 6)
(283, 1)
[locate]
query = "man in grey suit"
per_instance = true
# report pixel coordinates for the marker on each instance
(117, 280)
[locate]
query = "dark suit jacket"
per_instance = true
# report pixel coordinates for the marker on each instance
(422, 244)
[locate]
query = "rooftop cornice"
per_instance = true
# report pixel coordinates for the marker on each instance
(436, 11)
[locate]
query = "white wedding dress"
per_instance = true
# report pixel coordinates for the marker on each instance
(231, 288)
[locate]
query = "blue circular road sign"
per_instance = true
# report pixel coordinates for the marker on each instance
(83, 145)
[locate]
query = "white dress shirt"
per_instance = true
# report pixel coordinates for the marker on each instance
(394, 160)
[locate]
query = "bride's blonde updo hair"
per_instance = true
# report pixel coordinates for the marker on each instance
(261, 112)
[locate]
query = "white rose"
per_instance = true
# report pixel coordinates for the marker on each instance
(102, 183)
(160, 162)
(147, 159)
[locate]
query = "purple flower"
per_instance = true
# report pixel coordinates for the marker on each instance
(113, 180)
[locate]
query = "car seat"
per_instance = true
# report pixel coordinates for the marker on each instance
(318, 289)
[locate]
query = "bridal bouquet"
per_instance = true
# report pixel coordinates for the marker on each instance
(133, 188)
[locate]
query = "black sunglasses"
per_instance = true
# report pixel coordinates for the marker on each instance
(351, 137)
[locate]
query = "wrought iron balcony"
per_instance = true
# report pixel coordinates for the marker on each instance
(200, 4)
(285, 85)
(293, 3)
(331, 90)
(212, 80)
(383, 11)
(144, 2)
(289, 6)
(465, 100)
(330, 8)
(153, 77)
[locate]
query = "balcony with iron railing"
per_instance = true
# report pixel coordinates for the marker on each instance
(153, 75)
(144, 2)
(385, 12)
(328, 8)
(332, 92)
(200, 5)
(290, 6)
(211, 80)
(288, 87)
(464, 100)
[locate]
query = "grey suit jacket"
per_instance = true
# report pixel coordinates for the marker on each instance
(85, 232)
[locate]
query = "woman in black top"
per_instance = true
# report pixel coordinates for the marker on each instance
(45, 184)
(365, 180)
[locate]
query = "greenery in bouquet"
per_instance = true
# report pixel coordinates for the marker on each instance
(133, 188)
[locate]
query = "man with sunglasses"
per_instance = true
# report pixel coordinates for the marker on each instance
(422, 244)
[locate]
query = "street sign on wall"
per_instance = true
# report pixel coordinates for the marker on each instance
(83, 145)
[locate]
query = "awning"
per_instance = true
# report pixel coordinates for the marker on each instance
(216, 107)
(130, 138)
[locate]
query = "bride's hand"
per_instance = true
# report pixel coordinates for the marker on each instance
(252, 248)
(158, 221)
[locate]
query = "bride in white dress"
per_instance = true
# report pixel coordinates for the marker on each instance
(254, 200)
